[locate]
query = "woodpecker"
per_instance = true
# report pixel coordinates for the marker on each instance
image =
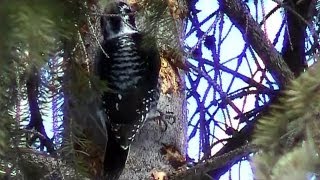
(130, 67)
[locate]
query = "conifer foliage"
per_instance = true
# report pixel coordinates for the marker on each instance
(256, 103)
(48, 82)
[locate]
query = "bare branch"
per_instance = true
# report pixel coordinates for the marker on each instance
(213, 163)
(252, 33)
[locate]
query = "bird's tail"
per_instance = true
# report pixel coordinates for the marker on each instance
(114, 160)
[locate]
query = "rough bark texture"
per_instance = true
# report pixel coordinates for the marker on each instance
(199, 171)
(36, 165)
(145, 154)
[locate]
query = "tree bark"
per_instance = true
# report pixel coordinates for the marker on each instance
(145, 153)
(145, 156)
(293, 50)
(253, 35)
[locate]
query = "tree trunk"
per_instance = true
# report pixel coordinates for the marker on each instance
(145, 157)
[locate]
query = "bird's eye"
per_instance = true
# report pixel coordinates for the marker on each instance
(124, 8)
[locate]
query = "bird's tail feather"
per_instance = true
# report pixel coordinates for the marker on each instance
(114, 160)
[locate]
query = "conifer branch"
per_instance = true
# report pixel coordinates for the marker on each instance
(288, 136)
(252, 33)
(37, 164)
(36, 120)
(213, 163)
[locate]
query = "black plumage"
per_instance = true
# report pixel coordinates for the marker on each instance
(131, 69)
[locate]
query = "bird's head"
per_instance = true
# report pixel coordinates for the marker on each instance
(117, 20)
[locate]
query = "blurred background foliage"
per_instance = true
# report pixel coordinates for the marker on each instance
(46, 63)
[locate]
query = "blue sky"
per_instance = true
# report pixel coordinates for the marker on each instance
(232, 47)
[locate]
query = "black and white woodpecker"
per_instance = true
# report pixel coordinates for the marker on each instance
(130, 67)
